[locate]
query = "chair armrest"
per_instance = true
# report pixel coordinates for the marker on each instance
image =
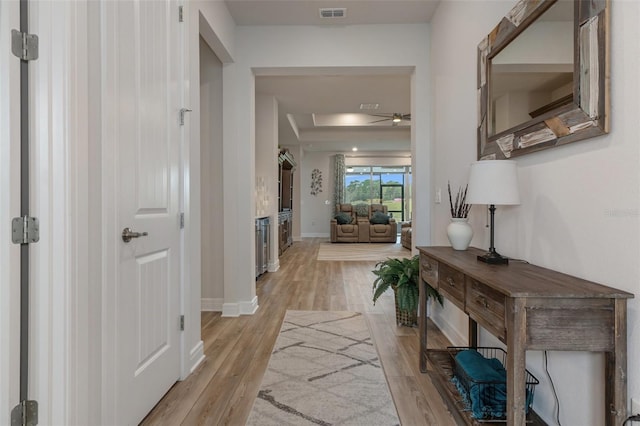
(363, 230)
(333, 236)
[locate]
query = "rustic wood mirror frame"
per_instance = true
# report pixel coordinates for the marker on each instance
(586, 117)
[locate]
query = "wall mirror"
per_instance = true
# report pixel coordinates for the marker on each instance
(543, 77)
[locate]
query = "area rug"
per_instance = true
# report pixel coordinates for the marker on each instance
(324, 370)
(361, 251)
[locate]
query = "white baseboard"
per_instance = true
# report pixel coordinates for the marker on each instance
(213, 304)
(196, 356)
(240, 308)
(230, 310)
(249, 308)
(316, 235)
(273, 266)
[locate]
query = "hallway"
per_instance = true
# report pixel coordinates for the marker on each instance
(222, 390)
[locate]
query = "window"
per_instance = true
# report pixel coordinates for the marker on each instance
(390, 186)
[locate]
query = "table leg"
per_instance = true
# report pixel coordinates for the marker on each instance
(516, 361)
(473, 333)
(615, 369)
(422, 324)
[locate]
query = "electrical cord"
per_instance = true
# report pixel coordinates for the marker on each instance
(555, 394)
(634, 418)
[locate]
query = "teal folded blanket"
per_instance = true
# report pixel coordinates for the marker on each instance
(484, 386)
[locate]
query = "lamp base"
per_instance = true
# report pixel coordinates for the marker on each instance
(493, 258)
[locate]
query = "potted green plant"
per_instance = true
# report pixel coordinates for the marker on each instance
(402, 275)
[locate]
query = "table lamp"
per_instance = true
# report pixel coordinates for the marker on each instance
(493, 182)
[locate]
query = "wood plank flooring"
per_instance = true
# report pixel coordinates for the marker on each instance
(222, 390)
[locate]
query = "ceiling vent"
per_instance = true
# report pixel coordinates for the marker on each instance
(333, 12)
(369, 107)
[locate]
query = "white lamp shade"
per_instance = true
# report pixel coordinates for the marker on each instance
(493, 182)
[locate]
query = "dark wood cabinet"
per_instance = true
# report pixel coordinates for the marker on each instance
(286, 167)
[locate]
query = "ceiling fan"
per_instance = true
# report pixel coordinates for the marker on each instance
(395, 118)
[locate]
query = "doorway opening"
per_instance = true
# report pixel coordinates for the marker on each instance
(211, 179)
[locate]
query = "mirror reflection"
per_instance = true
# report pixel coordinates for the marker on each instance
(534, 73)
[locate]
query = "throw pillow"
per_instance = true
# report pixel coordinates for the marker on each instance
(379, 218)
(362, 209)
(343, 218)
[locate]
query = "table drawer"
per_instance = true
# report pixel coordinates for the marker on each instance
(487, 307)
(451, 282)
(429, 270)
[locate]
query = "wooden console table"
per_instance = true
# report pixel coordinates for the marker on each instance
(530, 308)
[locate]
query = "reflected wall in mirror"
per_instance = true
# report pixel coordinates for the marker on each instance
(534, 71)
(543, 77)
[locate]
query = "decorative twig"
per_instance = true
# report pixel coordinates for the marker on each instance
(460, 209)
(450, 202)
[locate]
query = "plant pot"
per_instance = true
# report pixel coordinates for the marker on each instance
(405, 318)
(459, 233)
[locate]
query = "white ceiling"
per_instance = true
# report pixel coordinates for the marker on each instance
(306, 12)
(337, 91)
(302, 97)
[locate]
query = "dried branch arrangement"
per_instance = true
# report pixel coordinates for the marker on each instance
(459, 209)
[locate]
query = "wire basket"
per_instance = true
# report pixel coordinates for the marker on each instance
(487, 398)
(406, 318)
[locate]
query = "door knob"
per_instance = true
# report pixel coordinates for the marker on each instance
(128, 234)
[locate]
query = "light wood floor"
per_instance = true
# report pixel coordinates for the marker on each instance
(221, 391)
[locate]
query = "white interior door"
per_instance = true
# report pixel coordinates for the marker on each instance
(142, 95)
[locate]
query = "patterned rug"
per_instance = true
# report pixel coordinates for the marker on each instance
(361, 251)
(324, 370)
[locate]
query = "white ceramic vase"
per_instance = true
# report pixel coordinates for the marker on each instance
(460, 233)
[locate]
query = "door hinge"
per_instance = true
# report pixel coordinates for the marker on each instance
(25, 230)
(181, 220)
(181, 322)
(182, 112)
(25, 414)
(24, 46)
(180, 14)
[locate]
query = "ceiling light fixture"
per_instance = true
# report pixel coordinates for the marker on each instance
(355, 148)
(397, 117)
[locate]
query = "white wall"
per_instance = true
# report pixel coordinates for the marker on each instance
(377, 159)
(284, 48)
(211, 179)
(212, 21)
(580, 203)
(549, 42)
(316, 211)
(266, 167)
